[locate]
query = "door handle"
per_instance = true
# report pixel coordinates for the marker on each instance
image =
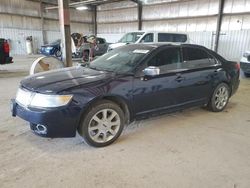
(218, 70)
(179, 79)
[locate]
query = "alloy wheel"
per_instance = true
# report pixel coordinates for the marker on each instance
(221, 97)
(104, 125)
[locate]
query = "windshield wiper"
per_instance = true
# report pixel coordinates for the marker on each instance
(94, 68)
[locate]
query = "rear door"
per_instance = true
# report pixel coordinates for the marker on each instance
(200, 71)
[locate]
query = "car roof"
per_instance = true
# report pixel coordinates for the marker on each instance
(156, 45)
(155, 31)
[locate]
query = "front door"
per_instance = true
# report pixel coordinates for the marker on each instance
(158, 92)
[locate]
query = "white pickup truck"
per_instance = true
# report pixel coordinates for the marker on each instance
(150, 37)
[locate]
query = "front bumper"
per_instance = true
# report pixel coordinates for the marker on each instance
(245, 67)
(59, 122)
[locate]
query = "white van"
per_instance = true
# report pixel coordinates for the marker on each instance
(150, 37)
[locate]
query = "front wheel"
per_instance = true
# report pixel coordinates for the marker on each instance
(102, 124)
(58, 53)
(220, 98)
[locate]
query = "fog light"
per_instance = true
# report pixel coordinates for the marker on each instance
(41, 129)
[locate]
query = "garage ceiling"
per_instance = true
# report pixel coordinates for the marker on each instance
(74, 3)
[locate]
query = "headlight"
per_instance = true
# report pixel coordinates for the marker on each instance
(49, 48)
(41, 100)
(27, 98)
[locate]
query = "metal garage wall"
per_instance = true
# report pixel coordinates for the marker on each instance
(234, 43)
(117, 18)
(180, 9)
(19, 19)
(204, 38)
(52, 36)
(17, 39)
(198, 18)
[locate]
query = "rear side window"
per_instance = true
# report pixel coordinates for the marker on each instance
(170, 37)
(167, 60)
(196, 58)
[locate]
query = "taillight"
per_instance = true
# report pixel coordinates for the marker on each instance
(6, 47)
(237, 65)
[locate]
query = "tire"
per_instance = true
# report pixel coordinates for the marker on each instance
(247, 74)
(58, 53)
(95, 126)
(220, 98)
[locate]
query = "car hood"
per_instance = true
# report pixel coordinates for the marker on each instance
(63, 79)
(116, 45)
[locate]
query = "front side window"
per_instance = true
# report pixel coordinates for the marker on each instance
(167, 60)
(148, 38)
(196, 58)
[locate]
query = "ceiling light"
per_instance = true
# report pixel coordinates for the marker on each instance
(82, 8)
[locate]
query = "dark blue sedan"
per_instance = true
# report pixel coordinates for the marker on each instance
(128, 83)
(51, 49)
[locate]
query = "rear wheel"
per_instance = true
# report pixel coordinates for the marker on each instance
(102, 124)
(220, 98)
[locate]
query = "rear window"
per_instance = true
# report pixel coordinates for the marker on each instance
(170, 37)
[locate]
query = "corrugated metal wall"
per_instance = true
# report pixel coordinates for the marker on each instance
(234, 43)
(19, 19)
(17, 38)
(198, 18)
(117, 18)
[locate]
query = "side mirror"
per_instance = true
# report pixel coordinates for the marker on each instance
(151, 71)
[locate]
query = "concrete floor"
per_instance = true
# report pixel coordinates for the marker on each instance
(193, 148)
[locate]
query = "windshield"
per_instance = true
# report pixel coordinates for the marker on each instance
(56, 42)
(131, 37)
(121, 60)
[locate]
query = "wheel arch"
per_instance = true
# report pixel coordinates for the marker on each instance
(122, 104)
(112, 98)
(229, 86)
